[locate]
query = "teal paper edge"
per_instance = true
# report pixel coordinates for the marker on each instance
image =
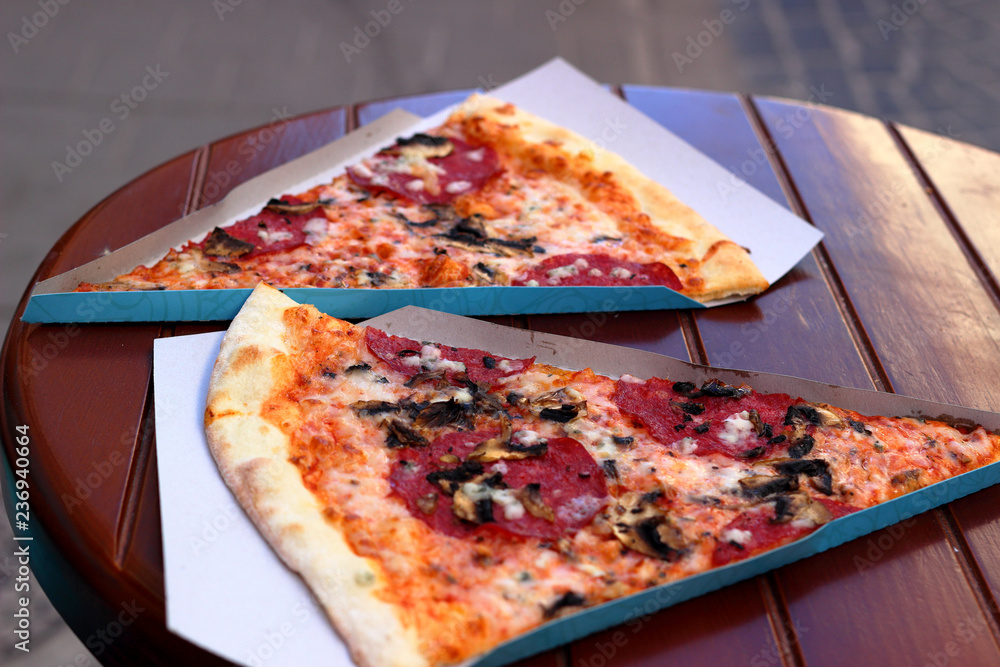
(223, 304)
(632, 611)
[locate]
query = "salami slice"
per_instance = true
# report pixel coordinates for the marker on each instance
(712, 419)
(411, 357)
(575, 269)
(427, 169)
(759, 530)
(279, 226)
(544, 496)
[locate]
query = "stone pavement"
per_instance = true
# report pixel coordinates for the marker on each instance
(166, 77)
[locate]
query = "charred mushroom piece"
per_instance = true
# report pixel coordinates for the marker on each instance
(278, 206)
(401, 435)
(817, 470)
(221, 244)
(530, 495)
(762, 486)
(440, 413)
(567, 599)
(438, 377)
(719, 389)
(371, 408)
(423, 145)
(800, 507)
(501, 446)
(641, 526)
(450, 479)
(801, 446)
(828, 418)
(762, 429)
(561, 406)
(473, 502)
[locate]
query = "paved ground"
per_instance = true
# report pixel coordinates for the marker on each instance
(209, 68)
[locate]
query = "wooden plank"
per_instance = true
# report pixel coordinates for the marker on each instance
(151, 201)
(967, 179)
(738, 632)
(143, 561)
(790, 328)
(883, 231)
(242, 156)
(912, 286)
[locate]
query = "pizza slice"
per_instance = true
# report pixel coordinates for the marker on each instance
(494, 196)
(442, 500)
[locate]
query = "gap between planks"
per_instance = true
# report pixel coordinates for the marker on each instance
(146, 428)
(965, 244)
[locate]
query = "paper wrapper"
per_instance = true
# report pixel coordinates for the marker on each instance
(226, 590)
(777, 239)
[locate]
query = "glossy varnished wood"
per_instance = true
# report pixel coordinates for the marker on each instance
(907, 273)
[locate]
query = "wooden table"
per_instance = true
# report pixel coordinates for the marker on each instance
(902, 296)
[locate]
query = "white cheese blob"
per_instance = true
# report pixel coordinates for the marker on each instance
(686, 445)
(316, 230)
(595, 272)
(619, 272)
(415, 185)
(476, 155)
(271, 237)
(457, 186)
(561, 272)
(737, 536)
(738, 427)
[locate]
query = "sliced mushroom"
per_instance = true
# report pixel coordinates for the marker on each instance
(500, 447)
(221, 244)
(440, 413)
(473, 502)
(401, 435)
(370, 408)
(762, 486)
(817, 470)
(800, 507)
(423, 145)
(641, 526)
(562, 405)
(567, 599)
(278, 206)
(450, 479)
(530, 495)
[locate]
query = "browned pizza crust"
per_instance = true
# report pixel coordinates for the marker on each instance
(712, 266)
(252, 454)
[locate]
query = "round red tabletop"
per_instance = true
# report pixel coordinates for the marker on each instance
(902, 295)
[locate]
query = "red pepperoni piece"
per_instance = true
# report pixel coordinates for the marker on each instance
(766, 533)
(269, 231)
(574, 269)
(670, 416)
(571, 484)
(465, 169)
(480, 366)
